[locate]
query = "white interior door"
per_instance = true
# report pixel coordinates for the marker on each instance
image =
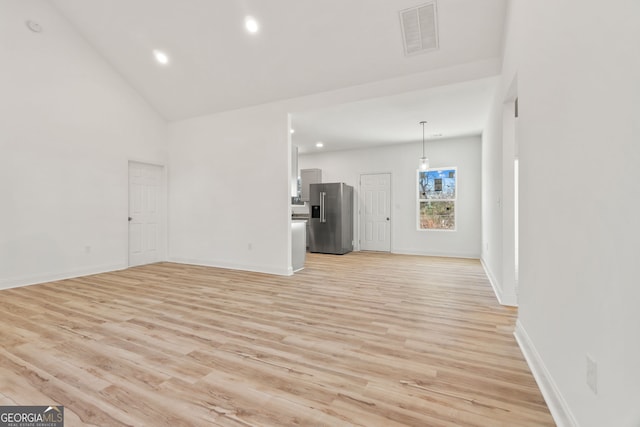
(145, 214)
(375, 215)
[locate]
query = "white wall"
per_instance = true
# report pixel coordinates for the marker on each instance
(230, 180)
(401, 161)
(68, 126)
(72, 124)
(577, 68)
(499, 141)
(229, 190)
(491, 247)
(498, 198)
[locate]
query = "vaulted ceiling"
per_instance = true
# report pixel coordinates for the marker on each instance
(302, 47)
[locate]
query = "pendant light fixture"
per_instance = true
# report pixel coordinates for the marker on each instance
(424, 162)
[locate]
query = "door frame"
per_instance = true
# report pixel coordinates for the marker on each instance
(358, 216)
(163, 205)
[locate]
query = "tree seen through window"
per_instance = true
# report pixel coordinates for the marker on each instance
(437, 199)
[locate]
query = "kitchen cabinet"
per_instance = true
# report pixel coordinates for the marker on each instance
(308, 177)
(298, 244)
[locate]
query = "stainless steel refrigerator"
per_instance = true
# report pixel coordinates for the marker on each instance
(331, 221)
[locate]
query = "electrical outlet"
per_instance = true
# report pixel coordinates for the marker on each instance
(592, 374)
(250, 246)
(87, 249)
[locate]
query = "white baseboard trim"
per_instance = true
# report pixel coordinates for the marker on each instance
(233, 266)
(53, 277)
(434, 254)
(497, 289)
(560, 411)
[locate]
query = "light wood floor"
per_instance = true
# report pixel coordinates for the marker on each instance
(361, 339)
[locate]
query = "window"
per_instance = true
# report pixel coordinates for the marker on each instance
(437, 199)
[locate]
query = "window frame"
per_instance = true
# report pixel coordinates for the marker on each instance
(454, 199)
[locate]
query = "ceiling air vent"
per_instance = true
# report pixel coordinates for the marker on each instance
(419, 28)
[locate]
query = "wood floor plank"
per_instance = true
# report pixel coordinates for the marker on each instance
(363, 339)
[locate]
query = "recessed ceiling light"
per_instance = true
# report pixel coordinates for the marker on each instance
(251, 24)
(436, 135)
(161, 57)
(292, 131)
(319, 144)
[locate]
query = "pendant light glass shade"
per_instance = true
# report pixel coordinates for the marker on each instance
(424, 161)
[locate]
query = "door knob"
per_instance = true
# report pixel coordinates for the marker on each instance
(132, 218)
(387, 218)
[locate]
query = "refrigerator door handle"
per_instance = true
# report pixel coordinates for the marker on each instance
(323, 218)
